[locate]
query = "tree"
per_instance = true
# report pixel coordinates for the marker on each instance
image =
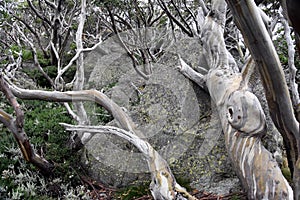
(240, 113)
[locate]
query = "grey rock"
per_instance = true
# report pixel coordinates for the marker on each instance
(173, 113)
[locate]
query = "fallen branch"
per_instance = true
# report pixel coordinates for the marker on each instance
(163, 184)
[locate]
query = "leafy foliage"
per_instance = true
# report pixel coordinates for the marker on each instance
(42, 123)
(38, 77)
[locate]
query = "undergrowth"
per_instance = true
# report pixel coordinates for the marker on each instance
(134, 191)
(19, 179)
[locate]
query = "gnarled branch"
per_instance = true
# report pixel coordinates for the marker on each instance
(163, 184)
(16, 127)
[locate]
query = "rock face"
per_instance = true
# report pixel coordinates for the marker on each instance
(173, 113)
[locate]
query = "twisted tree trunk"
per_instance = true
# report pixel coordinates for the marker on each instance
(279, 101)
(242, 118)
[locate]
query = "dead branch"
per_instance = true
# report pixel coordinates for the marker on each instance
(163, 185)
(16, 127)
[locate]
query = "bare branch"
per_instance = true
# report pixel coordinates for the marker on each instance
(291, 62)
(31, 29)
(203, 6)
(197, 31)
(79, 77)
(163, 185)
(180, 14)
(75, 96)
(190, 73)
(35, 57)
(51, 4)
(71, 112)
(13, 101)
(75, 57)
(38, 14)
(129, 53)
(173, 18)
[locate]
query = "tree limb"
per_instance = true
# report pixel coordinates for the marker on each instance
(163, 184)
(75, 96)
(16, 127)
(173, 18)
(190, 73)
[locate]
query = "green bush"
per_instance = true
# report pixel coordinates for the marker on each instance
(39, 78)
(42, 123)
(27, 55)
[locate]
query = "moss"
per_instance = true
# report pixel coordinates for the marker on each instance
(184, 182)
(287, 174)
(235, 197)
(134, 191)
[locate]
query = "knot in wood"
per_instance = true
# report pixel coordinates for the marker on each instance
(245, 114)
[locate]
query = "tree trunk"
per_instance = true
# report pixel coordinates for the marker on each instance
(242, 118)
(279, 101)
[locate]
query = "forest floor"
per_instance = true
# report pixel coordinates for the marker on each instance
(102, 192)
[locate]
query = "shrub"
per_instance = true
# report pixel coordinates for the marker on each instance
(20, 180)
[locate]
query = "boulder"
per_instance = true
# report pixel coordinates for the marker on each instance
(173, 113)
